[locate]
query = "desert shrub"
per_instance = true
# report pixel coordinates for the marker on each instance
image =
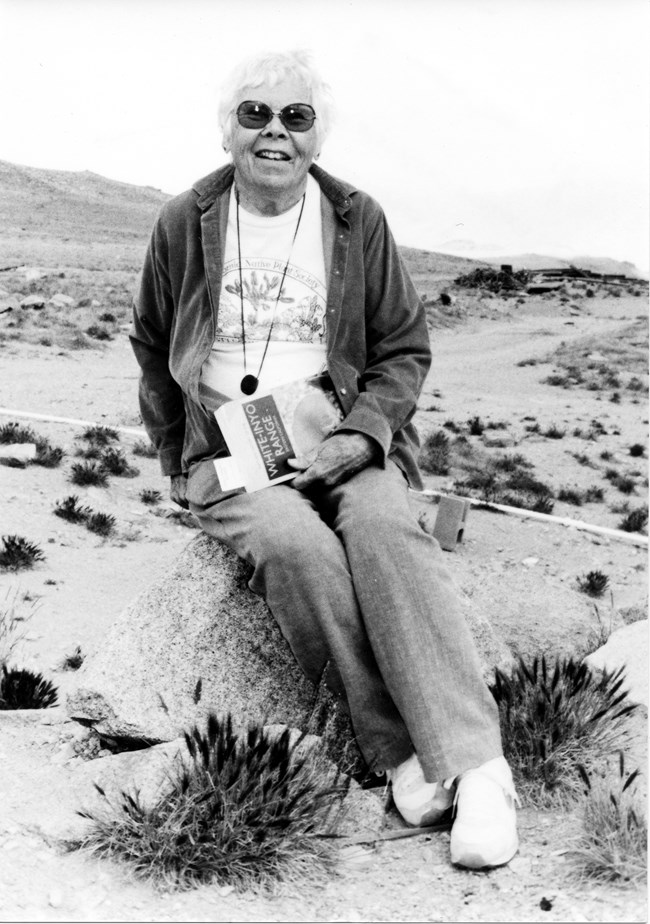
(144, 449)
(101, 523)
(562, 381)
(533, 428)
(594, 494)
(102, 436)
(527, 362)
(452, 426)
(12, 616)
(71, 510)
(615, 397)
(635, 521)
(625, 484)
(606, 455)
(583, 459)
(92, 451)
(13, 432)
(524, 501)
(434, 455)
(107, 317)
(476, 426)
(635, 384)
(511, 463)
(47, 455)
(555, 717)
(493, 280)
(570, 496)
(98, 333)
(554, 432)
(116, 463)
(240, 810)
(18, 554)
(496, 425)
(150, 496)
(73, 661)
(85, 473)
(637, 449)
(611, 474)
(594, 583)
(523, 481)
(21, 689)
(612, 842)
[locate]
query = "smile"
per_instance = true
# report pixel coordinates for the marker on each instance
(272, 155)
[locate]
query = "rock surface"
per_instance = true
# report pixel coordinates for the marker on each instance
(200, 640)
(627, 647)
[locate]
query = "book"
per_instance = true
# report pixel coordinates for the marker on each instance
(264, 431)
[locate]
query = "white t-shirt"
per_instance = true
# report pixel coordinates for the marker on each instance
(297, 347)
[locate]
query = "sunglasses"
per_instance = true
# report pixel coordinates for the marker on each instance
(296, 117)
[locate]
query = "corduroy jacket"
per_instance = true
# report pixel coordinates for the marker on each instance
(378, 350)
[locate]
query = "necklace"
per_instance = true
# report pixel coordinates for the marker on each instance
(250, 382)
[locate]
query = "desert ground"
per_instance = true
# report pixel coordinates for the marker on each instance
(491, 358)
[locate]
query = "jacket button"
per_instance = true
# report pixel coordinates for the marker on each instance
(344, 391)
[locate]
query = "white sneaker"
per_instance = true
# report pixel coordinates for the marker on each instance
(418, 802)
(485, 829)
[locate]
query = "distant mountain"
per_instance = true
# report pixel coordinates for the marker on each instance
(80, 206)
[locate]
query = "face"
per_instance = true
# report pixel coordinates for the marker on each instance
(273, 162)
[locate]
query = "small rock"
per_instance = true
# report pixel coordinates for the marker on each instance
(33, 301)
(529, 562)
(520, 865)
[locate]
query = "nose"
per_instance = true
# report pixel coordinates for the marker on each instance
(275, 127)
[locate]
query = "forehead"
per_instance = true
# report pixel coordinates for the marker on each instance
(288, 90)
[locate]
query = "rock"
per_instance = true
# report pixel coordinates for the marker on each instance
(628, 648)
(62, 301)
(33, 301)
(22, 452)
(198, 640)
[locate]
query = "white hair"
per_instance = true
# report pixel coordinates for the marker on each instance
(273, 68)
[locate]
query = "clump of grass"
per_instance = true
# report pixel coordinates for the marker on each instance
(103, 524)
(71, 510)
(594, 583)
(553, 718)
(570, 496)
(554, 432)
(47, 455)
(452, 426)
(533, 428)
(73, 661)
(612, 844)
(635, 521)
(594, 494)
(476, 426)
(13, 432)
(606, 455)
(88, 473)
(22, 689)
(561, 381)
(583, 459)
(240, 811)
(434, 455)
(144, 449)
(97, 332)
(18, 554)
(150, 496)
(637, 449)
(511, 463)
(625, 484)
(635, 384)
(12, 615)
(101, 436)
(116, 463)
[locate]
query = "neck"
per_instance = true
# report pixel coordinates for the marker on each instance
(269, 204)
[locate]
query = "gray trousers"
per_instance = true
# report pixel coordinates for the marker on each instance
(353, 578)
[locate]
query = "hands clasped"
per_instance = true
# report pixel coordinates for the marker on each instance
(336, 460)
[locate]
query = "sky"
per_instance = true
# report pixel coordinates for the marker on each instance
(483, 127)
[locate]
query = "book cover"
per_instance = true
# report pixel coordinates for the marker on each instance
(264, 431)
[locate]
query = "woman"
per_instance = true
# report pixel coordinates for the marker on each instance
(267, 271)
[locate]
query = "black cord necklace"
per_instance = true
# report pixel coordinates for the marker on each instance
(249, 383)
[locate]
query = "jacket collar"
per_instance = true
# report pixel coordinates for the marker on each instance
(210, 187)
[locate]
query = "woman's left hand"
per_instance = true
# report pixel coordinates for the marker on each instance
(338, 458)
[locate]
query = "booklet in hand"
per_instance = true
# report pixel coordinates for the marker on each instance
(263, 431)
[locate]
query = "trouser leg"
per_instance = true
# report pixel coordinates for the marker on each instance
(301, 570)
(423, 647)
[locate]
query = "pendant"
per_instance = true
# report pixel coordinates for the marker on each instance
(249, 384)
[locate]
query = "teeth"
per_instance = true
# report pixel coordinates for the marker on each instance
(272, 155)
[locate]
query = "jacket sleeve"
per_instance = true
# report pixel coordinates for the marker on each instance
(398, 353)
(161, 399)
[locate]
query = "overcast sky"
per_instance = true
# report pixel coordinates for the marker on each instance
(518, 125)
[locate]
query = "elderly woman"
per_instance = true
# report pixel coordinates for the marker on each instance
(267, 271)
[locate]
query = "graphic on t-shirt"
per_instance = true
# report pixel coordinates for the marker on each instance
(299, 308)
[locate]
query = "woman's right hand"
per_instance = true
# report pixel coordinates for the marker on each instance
(178, 490)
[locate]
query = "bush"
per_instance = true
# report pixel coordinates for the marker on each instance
(101, 523)
(73, 661)
(71, 510)
(554, 433)
(85, 473)
(476, 426)
(635, 521)
(594, 494)
(624, 484)
(554, 718)
(434, 455)
(102, 436)
(18, 554)
(13, 432)
(144, 449)
(240, 811)
(594, 584)
(20, 689)
(150, 496)
(570, 496)
(637, 449)
(47, 455)
(98, 333)
(612, 844)
(115, 462)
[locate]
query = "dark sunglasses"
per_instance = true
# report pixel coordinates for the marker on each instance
(296, 117)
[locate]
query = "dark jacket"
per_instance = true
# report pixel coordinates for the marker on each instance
(377, 340)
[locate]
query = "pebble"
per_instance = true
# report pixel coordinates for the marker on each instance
(529, 562)
(55, 898)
